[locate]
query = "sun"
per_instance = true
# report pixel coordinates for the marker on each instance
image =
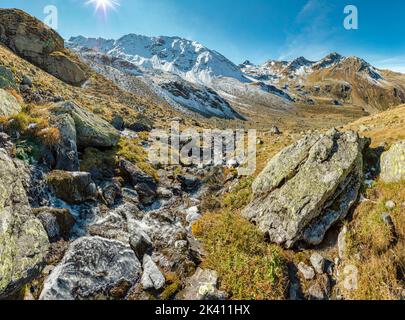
(104, 5)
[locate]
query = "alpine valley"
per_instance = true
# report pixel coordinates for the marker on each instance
(85, 214)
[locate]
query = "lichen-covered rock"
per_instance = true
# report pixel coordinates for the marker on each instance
(203, 285)
(93, 268)
(91, 130)
(393, 163)
(66, 154)
(23, 240)
(6, 144)
(72, 187)
(308, 187)
(7, 79)
(8, 104)
(34, 41)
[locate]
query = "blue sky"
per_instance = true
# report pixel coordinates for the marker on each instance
(257, 30)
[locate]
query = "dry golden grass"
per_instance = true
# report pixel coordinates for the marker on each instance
(374, 249)
(386, 127)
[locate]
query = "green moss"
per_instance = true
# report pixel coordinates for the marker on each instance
(170, 291)
(29, 150)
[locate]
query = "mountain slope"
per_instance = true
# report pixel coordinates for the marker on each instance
(165, 86)
(188, 59)
(334, 80)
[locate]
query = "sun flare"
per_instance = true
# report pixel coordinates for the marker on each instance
(104, 5)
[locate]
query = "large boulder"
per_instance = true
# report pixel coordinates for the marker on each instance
(8, 104)
(66, 154)
(34, 41)
(23, 240)
(91, 130)
(72, 187)
(308, 187)
(393, 163)
(93, 268)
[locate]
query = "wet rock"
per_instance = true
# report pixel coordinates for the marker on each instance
(23, 240)
(144, 184)
(203, 285)
(318, 262)
(140, 242)
(25, 35)
(308, 187)
(91, 130)
(188, 182)
(93, 268)
(152, 277)
(130, 195)
(8, 104)
(164, 193)
(307, 271)
(111, 190)
(58, 223)
(72, 187)
(393, 163)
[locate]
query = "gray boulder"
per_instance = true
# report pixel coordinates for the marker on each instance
(393, 163)
(8, 104)
(67, 157)
(91, 130)
(72, 187)
(152, 277)
(308, 187)
(23, 240)
(93, 268)
(34, 41)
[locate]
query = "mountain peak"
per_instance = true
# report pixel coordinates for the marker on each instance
(188, 59)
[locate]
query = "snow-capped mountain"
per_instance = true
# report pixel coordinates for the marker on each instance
(185, 58)
(192, 77)
(163, 85)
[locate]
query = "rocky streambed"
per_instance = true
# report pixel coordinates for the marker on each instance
(123, 233)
